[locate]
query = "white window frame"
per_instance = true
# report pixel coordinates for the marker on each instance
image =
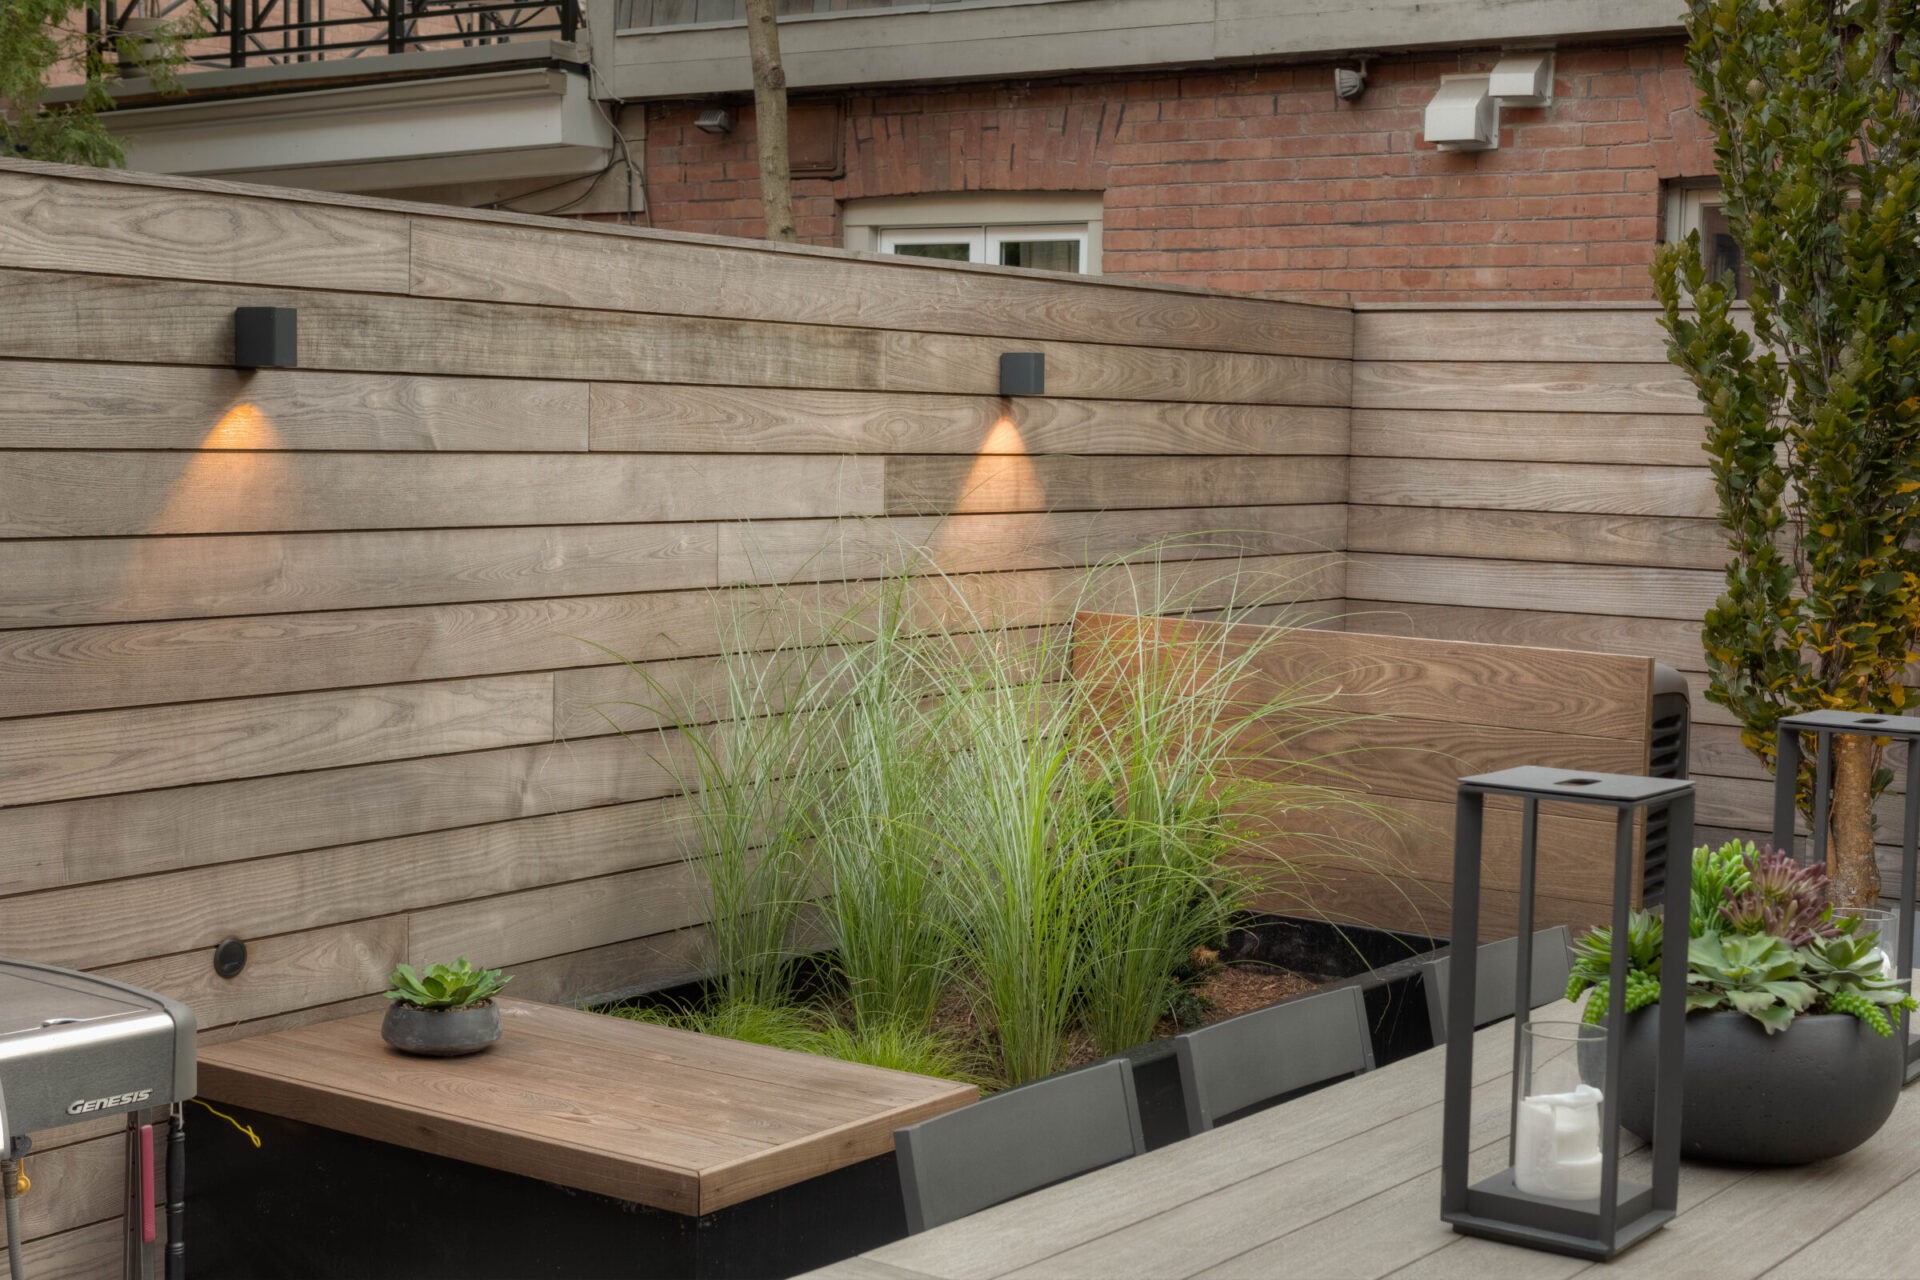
(874, 226)
(1687, 207)
(1686, 211)
(1076, 233)
(891, 239)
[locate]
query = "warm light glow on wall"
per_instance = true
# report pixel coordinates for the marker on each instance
(1004, 438)
(239, 478)
(244, 426)
(1002, 477)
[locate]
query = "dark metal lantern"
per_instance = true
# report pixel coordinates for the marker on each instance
(266, 338)
(1023, 373)
(1624, 1212)
(1823, 725)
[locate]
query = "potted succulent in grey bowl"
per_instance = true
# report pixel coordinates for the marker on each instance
(1790, 1051)
(446, 1012)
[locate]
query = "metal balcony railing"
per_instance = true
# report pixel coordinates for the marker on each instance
(634, 15)
(244, 33)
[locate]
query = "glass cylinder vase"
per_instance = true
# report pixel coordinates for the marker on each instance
(1556, 1119)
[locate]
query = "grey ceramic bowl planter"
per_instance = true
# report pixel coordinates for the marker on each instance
(1820, 1088)
(441, 1033)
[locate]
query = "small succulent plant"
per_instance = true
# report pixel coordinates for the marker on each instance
(1763, 942)
(1781, 898)
(444, 986)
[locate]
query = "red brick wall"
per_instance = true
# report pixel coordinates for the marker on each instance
(1261, 180)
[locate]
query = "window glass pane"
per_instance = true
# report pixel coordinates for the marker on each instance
(960, 252)
(1719, 251)
(1041, 255)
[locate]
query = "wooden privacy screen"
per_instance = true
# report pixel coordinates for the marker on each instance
(1395, 721)
(302, 656)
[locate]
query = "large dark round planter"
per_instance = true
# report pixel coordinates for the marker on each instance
(1820, 1088)
(441, 1033)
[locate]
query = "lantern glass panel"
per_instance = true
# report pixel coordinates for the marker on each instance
(1557, 1110)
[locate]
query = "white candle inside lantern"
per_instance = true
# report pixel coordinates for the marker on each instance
(1556, 1148)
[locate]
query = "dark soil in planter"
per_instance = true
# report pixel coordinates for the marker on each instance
(1266, 959)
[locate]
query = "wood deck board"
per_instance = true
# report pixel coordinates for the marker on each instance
(667, 1118)
(1346, 1184)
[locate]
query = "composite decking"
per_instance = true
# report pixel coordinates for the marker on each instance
(647, 1114)
(1347, 1184)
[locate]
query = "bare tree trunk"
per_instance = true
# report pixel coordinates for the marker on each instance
(770, 119)
(1856, 876)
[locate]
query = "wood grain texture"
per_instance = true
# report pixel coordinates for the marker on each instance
(568, 268)
(696, 1123)
(54, 316)
(93, 580)
(1575, 336)
(817, 550)
(1533, 386)
(1542, 690)
(118, 921)
(598, 975)
(85, 1253)
(94, 494)
(953, 362)
(934, 485)
(78, 1183)
(678, 419)
(141, 832)
(1621, 590)
(86, 753)
(133, 664)
(1413, 840)
(578, 914)
(56, 403)
(284, 972)
(1647, 439)
(1535, 486)
(55, 225)
(1656, 541)
(1674, 641)
(1394, 722)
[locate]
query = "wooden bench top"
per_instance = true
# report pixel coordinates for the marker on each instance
(666, 1118)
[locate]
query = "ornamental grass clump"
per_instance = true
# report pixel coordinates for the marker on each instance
(991, 822)
(1762, 941)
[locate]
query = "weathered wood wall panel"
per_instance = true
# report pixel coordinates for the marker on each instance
(1385, 725)
(310, 656)
(1535, 476)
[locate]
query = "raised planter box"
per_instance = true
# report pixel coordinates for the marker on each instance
(579, 1145)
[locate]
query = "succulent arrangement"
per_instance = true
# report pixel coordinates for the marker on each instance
(444, 986)
(1762, 940)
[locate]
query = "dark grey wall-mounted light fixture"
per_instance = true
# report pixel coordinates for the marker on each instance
(266, 338)
(714, 120)
(1023, 373)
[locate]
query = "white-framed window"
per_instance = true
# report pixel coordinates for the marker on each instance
(1045, 231)
(1700, 206)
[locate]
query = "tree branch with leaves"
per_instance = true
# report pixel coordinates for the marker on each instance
(39, 36)
(1814, 416)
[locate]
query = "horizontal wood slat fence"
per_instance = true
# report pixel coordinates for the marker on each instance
(307, 656)
(302, 656)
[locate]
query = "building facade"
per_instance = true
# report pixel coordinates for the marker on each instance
(1279, 147)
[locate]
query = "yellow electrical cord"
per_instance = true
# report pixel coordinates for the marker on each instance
(23, 1184)
(246, 1129)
